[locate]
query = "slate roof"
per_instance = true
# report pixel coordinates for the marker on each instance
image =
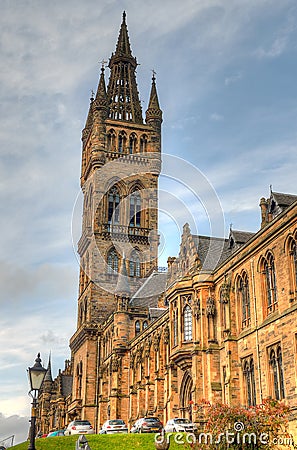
(241, 237)
(284, 199)
(212, 251)
(155, 313)
(66, 384)
(149, 293)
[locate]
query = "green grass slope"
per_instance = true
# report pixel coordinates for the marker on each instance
(102, 442)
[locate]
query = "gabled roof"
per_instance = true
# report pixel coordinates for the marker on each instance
(212, 251)
(241, 237)
(284, 200)
(148, 294)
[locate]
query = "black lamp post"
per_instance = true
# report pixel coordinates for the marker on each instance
(36, 377)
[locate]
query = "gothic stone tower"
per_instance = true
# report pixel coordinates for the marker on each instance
(121, 158)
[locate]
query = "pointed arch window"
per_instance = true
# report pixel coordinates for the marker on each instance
(144, 325)
(270, 283)
(277, 375)
(244, 300)
(134, 264)
(111, 140)
(293, 264)
(112, 262)
(137, 327)
(132, 143)
(135, 209)
(188, 323)
(249, 381)
(175, 328)
(113, 206)
(143, 143)
(122, 142)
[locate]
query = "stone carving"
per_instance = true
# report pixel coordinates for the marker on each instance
(210, 307)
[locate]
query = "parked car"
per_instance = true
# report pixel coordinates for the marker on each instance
(79, 427)
(180, 424)
(56, 433)
(147, 425)
(114, 426)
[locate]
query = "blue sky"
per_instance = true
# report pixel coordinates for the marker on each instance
(226, 79)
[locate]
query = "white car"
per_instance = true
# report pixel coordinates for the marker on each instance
(79, 427)
(180, 424)
(114, 426)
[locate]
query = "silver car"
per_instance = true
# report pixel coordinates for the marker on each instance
(180, 424)
(114, 426)
(79, 427)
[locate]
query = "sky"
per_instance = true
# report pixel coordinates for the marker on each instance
(226, 77)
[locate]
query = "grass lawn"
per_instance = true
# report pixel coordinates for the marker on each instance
(102, 442)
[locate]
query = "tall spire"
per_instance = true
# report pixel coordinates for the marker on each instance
(101, 96)
(153, 112)
(124, 103)
(123, 288)
(48, 376)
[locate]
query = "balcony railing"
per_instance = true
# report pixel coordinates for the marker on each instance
(124, 232)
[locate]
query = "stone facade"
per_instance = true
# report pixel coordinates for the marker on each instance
(219, 325)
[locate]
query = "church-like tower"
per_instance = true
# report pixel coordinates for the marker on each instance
(121, 160)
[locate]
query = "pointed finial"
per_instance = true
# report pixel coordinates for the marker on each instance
(154, 73)
(124, 16)
(270, 188)
(231, 224)
(92, 95)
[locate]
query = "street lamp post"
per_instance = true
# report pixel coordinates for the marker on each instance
(36, 377)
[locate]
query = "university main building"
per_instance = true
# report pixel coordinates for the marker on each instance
(219, 325)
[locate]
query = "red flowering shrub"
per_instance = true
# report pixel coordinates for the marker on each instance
(235, 427)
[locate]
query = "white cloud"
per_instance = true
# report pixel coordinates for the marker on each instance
(216, 117)
(233, 78)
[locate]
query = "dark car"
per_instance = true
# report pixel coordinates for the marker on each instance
(147, 425)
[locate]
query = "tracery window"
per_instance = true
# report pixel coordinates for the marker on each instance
(137, 327)
(276, 370)
(175, 327)
(188, 323)
(132, 143)
(135, 209)
(111, 140)
(134, 264)
(249, 381)
(293, 264)
(122, 142)
(244, 300)
(143, 143)
(113, 206)
(268, 271)
(112, 262)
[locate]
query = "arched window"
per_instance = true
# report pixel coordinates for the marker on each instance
(175, 328)
(270, 283)
(111, 140)
(79, 374)
(112, 262)
(135, 209)
(122, 142)
(132, 143)
(249, 380)
(143, 143)
(137, 327)
(134, 264)
(187, 316)
(144, 325)
(113, 206)
(244, 300)
(293, 264)
(277, 376)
